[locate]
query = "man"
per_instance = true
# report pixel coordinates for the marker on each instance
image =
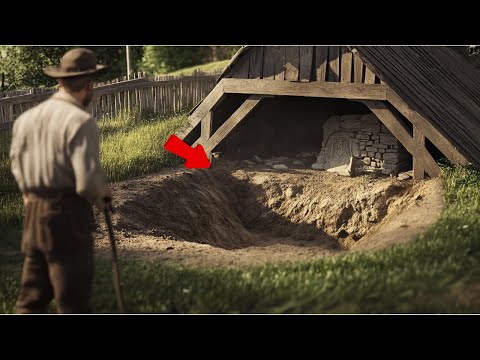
(55, 161)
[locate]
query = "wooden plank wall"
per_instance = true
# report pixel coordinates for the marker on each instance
(303, 63)
(161, 95)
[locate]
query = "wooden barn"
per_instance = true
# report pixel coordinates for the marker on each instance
(381, 102)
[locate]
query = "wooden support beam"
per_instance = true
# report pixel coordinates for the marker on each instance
(333, 64)
(394, 124)
(232, 121)
(292, 63)
(346, 73)
(206, 130)
(427, 129)
(418, 169)
(310, 89)
(213, 98)
(369, 76)
(321, 58)
(357, 68)
(306, 58)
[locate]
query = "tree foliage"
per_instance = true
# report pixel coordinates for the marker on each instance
(163, 59)
(23, 66)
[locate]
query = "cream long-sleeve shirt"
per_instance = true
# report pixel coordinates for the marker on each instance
(55, 145)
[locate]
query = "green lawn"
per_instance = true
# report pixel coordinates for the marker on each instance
(216, 66)
(438, 274)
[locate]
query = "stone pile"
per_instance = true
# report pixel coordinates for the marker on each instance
(364, 141)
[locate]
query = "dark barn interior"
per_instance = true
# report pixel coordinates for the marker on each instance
(281, 126)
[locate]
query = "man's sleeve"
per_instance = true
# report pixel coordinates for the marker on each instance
(90, 179)
(15, 152)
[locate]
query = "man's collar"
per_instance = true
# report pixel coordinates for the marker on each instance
(65, 96)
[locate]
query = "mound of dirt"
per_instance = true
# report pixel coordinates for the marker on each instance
(244, 208)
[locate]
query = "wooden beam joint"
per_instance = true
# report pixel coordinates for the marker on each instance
(398, 129)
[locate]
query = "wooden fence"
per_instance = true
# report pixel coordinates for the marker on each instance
(161, 95)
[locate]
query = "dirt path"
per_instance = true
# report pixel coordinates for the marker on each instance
(238, 217)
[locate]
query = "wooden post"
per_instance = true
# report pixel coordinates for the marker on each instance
(418, 169)
(396, 127)
(232, 122)
(206, 131)
(427, 129)
(128, 61)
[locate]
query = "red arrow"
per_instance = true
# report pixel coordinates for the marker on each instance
(196, 157)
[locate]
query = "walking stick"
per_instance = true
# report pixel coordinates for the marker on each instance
(116, 274)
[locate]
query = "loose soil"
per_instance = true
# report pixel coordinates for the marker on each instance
(232, 216)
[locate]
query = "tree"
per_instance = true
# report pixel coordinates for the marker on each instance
(163, 59)
(23, 66)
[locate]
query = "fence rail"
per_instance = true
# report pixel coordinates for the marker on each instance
(162, 95)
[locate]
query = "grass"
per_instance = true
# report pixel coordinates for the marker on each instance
(131, 144)
(216, 66)
(438, 274)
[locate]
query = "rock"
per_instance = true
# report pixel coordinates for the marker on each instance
(257, 159)
(269, 163)
(352, 166)
(388, 139)
(363, 153)
(317, 166)
(355, 150)
(381, 146)
(248, 163)
(378, 156)
(387, 171)
(367, 161)
(391, 157)
(371, 154)
(342, 170)
(404, 176)
(369, 143)
(387, 165)
(279, 158)
(307, 154)
(375, 137)
(363, 137)
(298, 162)
(371, 148)
(363, 123)
(280, 167)
(216, 155)
(291, 192)
(331, 126)
(381, 151)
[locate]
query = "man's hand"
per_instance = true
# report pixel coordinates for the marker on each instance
(101, 202)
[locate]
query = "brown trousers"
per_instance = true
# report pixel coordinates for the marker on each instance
(58, 248)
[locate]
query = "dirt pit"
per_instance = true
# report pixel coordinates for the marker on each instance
(231, 216)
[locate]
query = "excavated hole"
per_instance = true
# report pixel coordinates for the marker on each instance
(237, 208)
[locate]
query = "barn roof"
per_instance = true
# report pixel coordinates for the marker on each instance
(436, 81)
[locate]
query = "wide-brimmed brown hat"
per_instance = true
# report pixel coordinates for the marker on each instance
(75, 62)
